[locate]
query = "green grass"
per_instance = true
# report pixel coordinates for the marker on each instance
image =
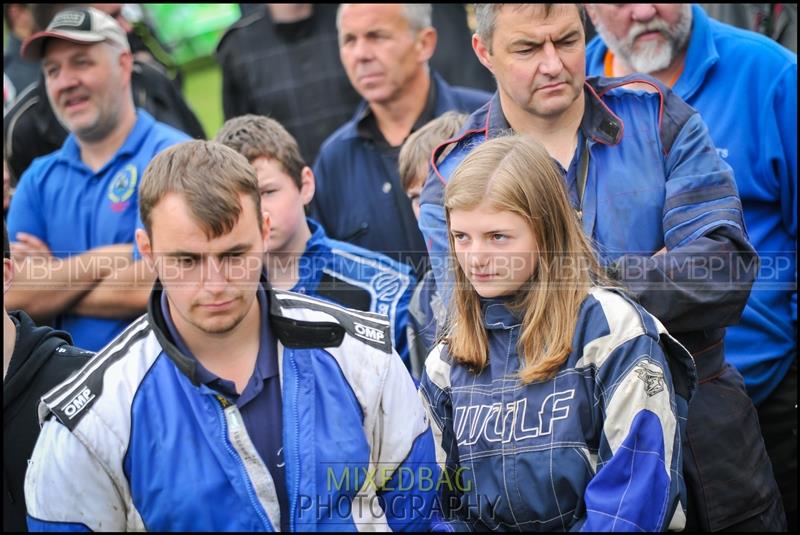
(202, 88)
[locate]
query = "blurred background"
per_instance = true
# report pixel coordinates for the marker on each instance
(191, 48)
(183, 39)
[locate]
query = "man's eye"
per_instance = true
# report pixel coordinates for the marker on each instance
(523, 51)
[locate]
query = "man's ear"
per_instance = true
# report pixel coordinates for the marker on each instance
(126, 65)
(308, 185)
(145, 247)
(426, 43)
(484, 56)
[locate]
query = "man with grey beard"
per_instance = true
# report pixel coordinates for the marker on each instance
(745, 87)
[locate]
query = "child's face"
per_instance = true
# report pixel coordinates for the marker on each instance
(284, 202)
(496, 249)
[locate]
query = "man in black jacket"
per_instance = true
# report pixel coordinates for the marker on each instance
(35, 359)
(282, 61)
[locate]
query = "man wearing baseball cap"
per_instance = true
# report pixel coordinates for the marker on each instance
(84, 195)
(84, 26)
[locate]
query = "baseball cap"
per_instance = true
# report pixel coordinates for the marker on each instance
(85, 25)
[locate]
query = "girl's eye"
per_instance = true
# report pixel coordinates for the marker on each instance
(499, 237)
(459, 236)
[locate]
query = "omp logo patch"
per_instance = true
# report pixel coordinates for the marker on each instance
(369, 333)
(78, 403)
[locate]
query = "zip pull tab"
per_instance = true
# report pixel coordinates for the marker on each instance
(223, 401)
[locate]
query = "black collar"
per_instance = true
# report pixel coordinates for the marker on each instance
(599, 123)
(292, 333)
(367, 124)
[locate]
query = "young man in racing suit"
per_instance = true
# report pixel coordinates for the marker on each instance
(230, 406)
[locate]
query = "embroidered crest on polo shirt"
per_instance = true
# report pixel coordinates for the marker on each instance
(122, 187)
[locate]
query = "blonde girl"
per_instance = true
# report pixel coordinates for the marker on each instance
(557, 401)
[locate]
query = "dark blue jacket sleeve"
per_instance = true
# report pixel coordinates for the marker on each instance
(703, 279)
(638, 483)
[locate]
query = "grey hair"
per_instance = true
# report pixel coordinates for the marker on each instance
(486, 18)
(418, 16)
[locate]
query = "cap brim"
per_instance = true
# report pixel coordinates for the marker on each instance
(33, 47)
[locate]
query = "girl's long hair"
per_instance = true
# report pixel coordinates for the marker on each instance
(516, 174)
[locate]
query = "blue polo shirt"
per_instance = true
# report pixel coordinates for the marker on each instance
(74, 209)
(260, 402)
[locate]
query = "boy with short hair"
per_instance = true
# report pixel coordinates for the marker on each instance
(426, 312)
(301, 257)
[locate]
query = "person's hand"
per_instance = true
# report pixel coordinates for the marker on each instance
(28, 245)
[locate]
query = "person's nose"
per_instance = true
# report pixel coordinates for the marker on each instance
(551, 64)
(362, 50)
(214, 277)
(477, 256)
(643, 12)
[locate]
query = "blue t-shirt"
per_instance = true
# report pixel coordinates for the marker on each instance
(260, 402)
(73, 209)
